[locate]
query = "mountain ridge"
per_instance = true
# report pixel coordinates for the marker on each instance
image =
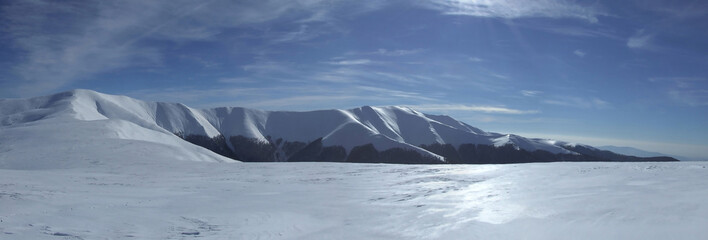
(392, 131)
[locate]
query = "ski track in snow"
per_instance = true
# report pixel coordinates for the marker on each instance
(187, 200)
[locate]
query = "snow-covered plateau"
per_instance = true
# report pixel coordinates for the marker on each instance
(164, 199)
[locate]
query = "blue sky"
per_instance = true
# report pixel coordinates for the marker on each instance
(628, 73)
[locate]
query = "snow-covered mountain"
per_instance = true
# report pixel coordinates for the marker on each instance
(631, 151)
(84, 127)
(643, 153)
(365, 134)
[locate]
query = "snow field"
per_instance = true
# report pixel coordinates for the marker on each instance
(184, 200)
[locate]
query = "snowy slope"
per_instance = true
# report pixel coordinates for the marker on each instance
(188, 200)
(83, 127)
(530, 144)
(384, 127)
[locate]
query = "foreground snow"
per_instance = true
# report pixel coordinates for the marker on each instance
(166, 199)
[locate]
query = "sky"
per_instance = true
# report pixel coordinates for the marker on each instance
(604, 72)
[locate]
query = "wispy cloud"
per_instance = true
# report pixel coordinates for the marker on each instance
(530, 93)
(475, 59)
(190, 96)
(578, 102)
(315, 99)
(388, 52)
(400, 78)
(351, 62)
(397, 52)
(691, 97)
(500, 76)
(268, 67)
(688, 91)
(236, 80)
(301, 102)
(201, 61)
(579, 53)
(295, 96)
(517, 9)
(64, 42)
(397, 93)
(575, 31)
(340, 75)
(352, 72)
(640, 40)
(676, 10)
(302, 33)
(472, 108)
(237, 96)
(682, 82)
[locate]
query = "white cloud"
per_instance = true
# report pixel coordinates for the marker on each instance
(340, 75)
(396, 93)
(189, 96)
(398, 77)
(237, 96)
(351, 62)
(577, 31)
(475, 59)
(63, 42)
(683, 82)
(500, 76)
(530, 93)
(388, 52)
(297, 101)
(579, 53)
(293, 96)
(472, 108)
(398, 52)
(578, 102)
(640, 40)
(236, 80)
(685, 90)
(342, 72)
(676, 9)
(517, 9)
(690, 97)
(362, 74)
(268, 67)
(301, 34)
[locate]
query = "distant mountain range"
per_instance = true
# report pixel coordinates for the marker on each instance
(366, 134)
(642, 153)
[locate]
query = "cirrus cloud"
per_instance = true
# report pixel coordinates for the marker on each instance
(472, 108)
(511, 9)
(58, 43)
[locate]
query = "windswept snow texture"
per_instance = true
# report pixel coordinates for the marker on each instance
(384, 127)
(189, 200)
